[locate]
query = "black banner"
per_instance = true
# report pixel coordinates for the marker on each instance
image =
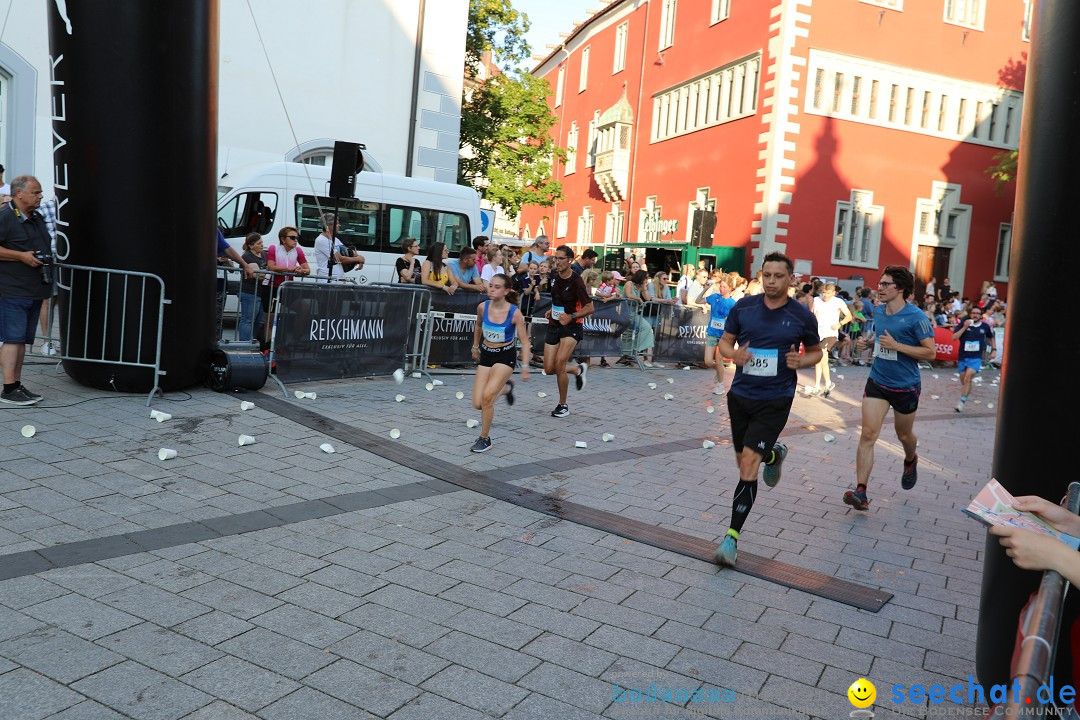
(603, 329)
(680, 332)
(327, 331)
(452, 336)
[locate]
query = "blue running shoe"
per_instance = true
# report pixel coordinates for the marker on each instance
(771, 474)
(856, 499)
(727, 552)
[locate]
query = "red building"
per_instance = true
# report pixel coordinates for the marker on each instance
(848, 134)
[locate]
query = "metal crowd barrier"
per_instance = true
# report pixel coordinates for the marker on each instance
(1041, 630)
(137, 298)
(678, 333)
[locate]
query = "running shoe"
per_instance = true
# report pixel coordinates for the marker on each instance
(856, 499)
(560, 411)
(813, 392)
(771, 473)
(19, 396)
(828, 389)
(911, 474)
(47, 349)
(960, 405)
(579, 379)
(727, 551)
(604, 363)
(719, 389)
(658, 365)
(482, 444)
(510, 392)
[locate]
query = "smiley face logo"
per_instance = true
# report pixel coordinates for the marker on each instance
(862, 693)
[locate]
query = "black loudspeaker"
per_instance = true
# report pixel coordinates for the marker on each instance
(702, 230)
(237, 371)
(348, 162)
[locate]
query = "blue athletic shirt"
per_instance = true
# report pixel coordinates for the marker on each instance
(499, 333)
(909, 326)
(721, 306)
(769, 335)
(973, 341)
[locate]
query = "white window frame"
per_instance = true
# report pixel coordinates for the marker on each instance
(1025, 30)
(1004, 248)
(721, 10)
(897, 5)
(965, 13)
(592, 141)
(667, 24)
(650, 208)
(856, 231)
(730, 92)
(561, 223)
(585, 226)
(571, 150)
(614, 224)
(622, 35)
(559, 82)
(583, 77)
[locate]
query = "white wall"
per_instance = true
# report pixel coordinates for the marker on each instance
(344, 68)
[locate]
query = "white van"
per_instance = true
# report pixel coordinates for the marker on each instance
(385, 210)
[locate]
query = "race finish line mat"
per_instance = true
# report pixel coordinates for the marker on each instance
(791, 576)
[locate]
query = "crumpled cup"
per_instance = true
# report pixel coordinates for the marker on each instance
(708, 444)
(326, 448)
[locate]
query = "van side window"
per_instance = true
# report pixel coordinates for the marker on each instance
(359, 221)
(429, 226)
(248, 212)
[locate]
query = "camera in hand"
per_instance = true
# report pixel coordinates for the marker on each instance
(46, 260)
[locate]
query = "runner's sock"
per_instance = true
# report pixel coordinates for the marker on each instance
(745, 493)
(963, 398)
(861, 488)
(8, 387)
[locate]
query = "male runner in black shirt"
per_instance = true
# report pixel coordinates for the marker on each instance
(570, 302)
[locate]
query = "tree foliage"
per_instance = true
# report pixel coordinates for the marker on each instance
(1004, 170)
(507, 149)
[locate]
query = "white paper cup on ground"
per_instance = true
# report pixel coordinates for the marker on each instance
(935, 397)
(830, 438)
(299, 394)
(247, 405)
(459, 395)
(652, 386)
(436, 381)
(935, 376)
(671, 381)
(607, 437)
(399, 376)
(245, 440)
(309, 395)
(687, 368)
(471, 423)
(399, 398)
(708, 444)
(417, 375)
(581, 444)
(710, 409)
(326, 448)
(395, 433)
(163, 416)
(166, 454)
(989, 406)
(429, 386)
(839, 377)
(668, 396)
(28, 431)
(541, 394)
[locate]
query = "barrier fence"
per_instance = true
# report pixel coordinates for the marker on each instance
(90, 296)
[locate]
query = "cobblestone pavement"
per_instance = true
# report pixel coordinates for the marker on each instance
(275, 580)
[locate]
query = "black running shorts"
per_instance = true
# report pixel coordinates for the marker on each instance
(506, 355)
(904, 401)
(756, 424)
(556, 332)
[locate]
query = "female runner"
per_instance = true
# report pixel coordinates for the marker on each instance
(499, 325)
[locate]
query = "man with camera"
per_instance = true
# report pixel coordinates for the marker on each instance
(344, 257)
(25, 281)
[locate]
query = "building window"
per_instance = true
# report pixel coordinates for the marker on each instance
(613, 228)
(585, 227)
(856, 86)
(891, 4)
(649, 231)
(621, 34)
(590, 149)
(583, 78)
(819, 77)
(838, 90)
(857, 230)
(561, 223)
(943, 106)
(571, 149)
(559, 85)
(667, 24)
(967, 13)
(1004, 247)
(728, 93)
(1025, 33)
(721, 9)
(873, 100)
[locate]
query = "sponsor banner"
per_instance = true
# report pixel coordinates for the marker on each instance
(948, 350)
(329, 331)
(680, 332)
(602, 331)
(452, 336)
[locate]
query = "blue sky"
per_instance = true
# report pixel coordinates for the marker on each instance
(551, 17)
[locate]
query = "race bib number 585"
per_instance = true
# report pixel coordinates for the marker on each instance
(762, 363)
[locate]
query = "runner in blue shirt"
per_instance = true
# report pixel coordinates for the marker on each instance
(974, 336)
(902, 337)
(768, 328)
(717, 294)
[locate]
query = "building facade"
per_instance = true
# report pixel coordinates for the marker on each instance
(848, 134)
(293, 78)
